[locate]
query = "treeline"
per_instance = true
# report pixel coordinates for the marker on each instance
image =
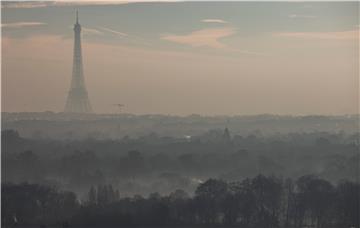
(266, 202)
(27, 204)
(138, 165)
(65, 126)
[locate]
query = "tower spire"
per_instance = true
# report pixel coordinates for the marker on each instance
(77, 100)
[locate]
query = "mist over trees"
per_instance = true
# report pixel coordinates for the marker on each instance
(167, 173)
(161, 164)
(262, 201)
(65, 126)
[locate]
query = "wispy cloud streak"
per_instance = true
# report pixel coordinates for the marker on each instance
(220, 21)
(342, 35)
(91, 31)
(114, 32)
(38, 4)
(303, 16)
(25, 4)
(204, 37)
(22, 24)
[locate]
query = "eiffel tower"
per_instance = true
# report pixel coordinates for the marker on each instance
(77, 100)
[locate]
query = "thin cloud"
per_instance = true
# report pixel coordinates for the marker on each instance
(109, 1)
(114, 32)
(343, 35)
(130, 37)
(25, 5)
(89, 2)
(22, 24)
(91, 31)
(204, 37)
(38, 4)
(302, 16)
(220, 21)
(246, 52)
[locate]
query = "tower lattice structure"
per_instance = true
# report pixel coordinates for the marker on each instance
(78, 99)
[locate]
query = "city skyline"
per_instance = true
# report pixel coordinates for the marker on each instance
(155, 59)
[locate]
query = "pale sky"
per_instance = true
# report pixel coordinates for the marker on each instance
(180, 58)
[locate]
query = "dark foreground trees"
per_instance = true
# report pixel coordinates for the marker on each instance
(36, 204)
(266, 202)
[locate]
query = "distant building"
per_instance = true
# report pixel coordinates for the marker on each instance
(77, 100)
(226, 135)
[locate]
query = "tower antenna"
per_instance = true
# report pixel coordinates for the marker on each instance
(120, 106)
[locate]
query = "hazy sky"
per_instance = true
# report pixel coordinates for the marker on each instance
(183, 58)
